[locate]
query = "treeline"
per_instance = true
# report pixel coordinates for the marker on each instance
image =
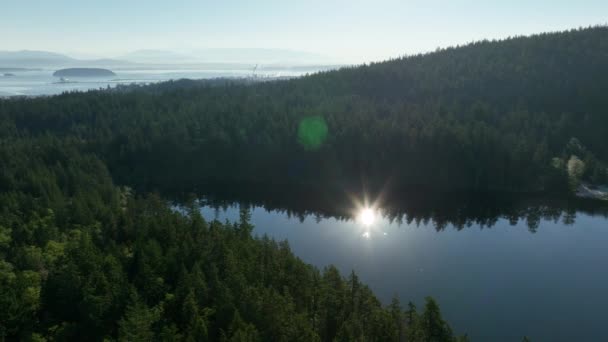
(489, 116)
(440, 211)
(84, 260)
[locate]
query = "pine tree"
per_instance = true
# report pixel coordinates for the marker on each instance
(136, 324)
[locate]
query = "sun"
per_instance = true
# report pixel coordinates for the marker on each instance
(367, 216)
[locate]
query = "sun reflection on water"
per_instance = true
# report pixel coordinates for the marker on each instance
(367, 216)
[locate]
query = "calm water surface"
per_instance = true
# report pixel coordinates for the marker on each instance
(42, 82)
(543, 276)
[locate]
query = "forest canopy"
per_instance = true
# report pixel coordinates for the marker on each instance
(481, 117)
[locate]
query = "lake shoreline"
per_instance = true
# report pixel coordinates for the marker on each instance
(590, 191)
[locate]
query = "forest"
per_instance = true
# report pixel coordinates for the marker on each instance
(82, 259)
(91, 249)
(480, 117)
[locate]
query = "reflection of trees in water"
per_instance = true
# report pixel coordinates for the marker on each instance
(440, 211)
(484, 212)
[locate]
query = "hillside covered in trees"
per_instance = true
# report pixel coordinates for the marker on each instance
(84, 257)
(490, 116)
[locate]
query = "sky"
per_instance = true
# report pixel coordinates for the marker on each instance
(347, 31)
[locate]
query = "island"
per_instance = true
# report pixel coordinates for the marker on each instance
(84, 72)
(8, 74)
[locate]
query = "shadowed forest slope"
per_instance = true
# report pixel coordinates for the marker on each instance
(492, 115)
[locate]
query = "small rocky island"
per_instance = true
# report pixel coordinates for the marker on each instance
(84, 72)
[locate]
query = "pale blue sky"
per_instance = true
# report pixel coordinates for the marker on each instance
(353, 31)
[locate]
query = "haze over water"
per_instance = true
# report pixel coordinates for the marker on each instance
(42, 82)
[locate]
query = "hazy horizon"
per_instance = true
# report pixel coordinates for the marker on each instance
(343, 31)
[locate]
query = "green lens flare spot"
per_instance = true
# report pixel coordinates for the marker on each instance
(312, 132)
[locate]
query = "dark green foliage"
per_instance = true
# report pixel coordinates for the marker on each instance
(432, 326)
(429, 326)
(491, 115)
(82, 259)
(136, 324)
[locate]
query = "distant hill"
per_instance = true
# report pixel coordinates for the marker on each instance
(205, 58)
(84, 72)
(27, 58)
(263, 56)
(227, 55)
(45, 59)
(157, 57)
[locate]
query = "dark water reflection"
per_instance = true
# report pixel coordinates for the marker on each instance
(438, 210)
(501, 268)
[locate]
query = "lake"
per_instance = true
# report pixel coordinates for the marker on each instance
(499, 271)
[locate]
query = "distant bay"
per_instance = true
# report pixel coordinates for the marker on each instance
(38, 82)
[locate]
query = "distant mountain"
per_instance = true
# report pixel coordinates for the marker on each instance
(227, 55)
(232, 58)
(262, 56)
(45, 59)
(27, 58)
(157, 57)
(105, 62)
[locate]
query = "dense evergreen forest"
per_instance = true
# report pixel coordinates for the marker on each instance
(84, 260)
(88, 252)
(518, 115)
